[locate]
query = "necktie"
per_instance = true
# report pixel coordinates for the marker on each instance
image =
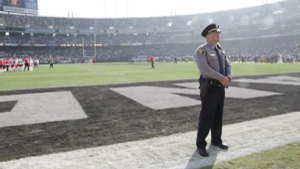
(220, 62)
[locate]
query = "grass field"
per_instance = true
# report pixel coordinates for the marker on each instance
(112, 73)
(284, 157)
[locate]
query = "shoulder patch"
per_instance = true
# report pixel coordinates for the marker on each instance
(200, 51)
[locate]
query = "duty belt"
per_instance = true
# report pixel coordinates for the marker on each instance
(212, 82)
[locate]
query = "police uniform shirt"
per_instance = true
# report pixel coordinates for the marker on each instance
(208, 63)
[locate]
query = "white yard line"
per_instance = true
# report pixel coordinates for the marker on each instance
(174, 151)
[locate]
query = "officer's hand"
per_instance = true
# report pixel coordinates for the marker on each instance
(225, 81)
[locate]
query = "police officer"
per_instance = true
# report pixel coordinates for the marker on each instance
(215, 70)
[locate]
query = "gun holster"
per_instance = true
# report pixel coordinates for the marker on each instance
(204, 87)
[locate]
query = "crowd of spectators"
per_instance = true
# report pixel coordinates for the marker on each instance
(112, 39)
(284, 10)
(282, 28)
(247, 35)
(276, 49)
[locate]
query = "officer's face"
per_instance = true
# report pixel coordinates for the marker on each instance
(214, 37)
(14, 2)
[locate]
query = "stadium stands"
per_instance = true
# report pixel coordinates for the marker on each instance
(270, 30)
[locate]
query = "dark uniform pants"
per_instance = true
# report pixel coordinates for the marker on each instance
(26, 66)
(211, 116)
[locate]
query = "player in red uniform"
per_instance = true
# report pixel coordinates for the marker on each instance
(26, 60)
(152, 59)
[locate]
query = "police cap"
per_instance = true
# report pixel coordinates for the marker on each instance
(210, 28)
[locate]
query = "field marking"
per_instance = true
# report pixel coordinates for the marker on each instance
(158, 98)
(175, 151)
(279, 80)
(41, 108)
(234, 92)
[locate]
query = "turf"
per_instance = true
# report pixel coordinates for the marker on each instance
(111, 73)
(116, 119)
(287, 156)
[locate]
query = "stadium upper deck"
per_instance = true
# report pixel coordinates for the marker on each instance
(272, 17)
(270, 30)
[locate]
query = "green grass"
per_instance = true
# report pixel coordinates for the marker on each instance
(89, 74)
(284, 157)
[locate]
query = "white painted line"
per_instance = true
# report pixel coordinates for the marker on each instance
(234, 92)
(176, 151)
(158, 98)
(41, 108)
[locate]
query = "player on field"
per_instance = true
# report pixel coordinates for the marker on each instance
(152, 59)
